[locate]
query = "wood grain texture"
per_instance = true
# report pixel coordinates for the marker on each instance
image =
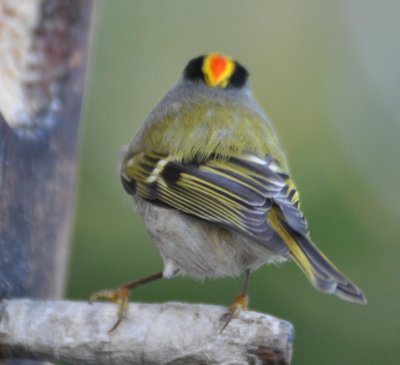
(170, 333)
(38, 151)
(37, 176)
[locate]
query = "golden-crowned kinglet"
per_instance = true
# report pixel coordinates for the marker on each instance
(211, 182)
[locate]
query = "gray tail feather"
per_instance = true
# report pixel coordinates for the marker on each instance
(327, 277)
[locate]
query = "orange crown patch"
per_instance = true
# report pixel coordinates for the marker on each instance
(218, 69)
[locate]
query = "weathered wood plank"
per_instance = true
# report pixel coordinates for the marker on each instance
(170, 333)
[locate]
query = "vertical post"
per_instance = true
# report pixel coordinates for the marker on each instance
(44, 52)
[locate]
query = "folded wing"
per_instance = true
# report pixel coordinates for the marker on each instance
(237, 193)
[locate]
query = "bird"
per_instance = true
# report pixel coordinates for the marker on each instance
(210, 179)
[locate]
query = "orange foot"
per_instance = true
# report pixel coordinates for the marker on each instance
(239, 305)
(119, 296)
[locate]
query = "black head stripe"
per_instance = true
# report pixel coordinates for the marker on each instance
(193, 70)
(239, 76)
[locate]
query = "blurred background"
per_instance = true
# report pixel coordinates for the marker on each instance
(328, 75)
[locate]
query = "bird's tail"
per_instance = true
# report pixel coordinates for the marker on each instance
(321, 272)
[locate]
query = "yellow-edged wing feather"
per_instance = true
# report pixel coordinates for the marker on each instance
(247, 194)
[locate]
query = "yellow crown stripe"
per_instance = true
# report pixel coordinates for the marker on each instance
(217, 70)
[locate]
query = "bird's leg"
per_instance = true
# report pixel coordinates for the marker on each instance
(240, 304)
(121, 295)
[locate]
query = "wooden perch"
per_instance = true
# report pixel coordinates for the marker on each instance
(171, 333)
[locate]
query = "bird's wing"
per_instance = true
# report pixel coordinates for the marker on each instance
(237, 193)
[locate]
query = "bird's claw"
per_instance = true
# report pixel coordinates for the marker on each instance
(239, 305)
(119, 296)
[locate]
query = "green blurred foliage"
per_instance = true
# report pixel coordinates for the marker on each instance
(328, 75)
